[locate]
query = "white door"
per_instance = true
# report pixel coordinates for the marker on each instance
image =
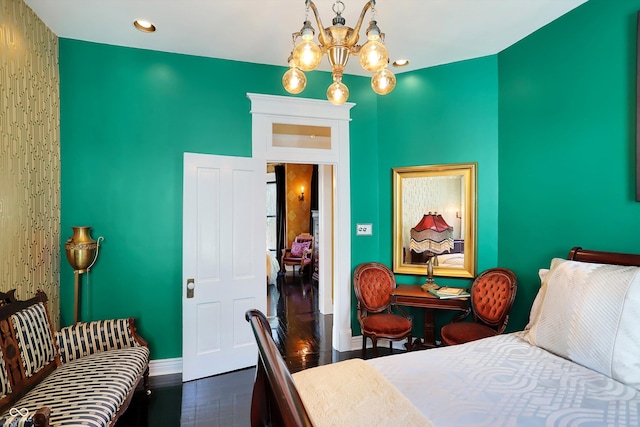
(223, 262)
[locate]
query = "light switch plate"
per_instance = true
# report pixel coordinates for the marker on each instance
(364, 229)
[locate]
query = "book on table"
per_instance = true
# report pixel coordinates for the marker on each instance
(448, 292)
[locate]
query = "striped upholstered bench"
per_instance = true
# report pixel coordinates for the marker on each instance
(84, 375)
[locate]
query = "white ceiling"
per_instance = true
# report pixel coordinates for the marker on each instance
(427, 32)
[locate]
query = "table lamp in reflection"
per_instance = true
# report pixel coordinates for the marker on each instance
(82, 253)
(431, 236)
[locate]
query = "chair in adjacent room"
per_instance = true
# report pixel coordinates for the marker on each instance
(299, 254)
(373, 284)
(492, 296)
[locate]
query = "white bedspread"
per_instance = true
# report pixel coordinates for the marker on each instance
(504, 381)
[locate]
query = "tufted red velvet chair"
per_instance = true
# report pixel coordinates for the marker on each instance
(492, 295)
(373, 283)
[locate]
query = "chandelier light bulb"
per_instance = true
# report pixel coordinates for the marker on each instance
(373, 56)
(307, 55)
(383, 82)
(338, 93)
(294, 81)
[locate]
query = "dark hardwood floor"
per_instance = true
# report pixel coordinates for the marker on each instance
(303, 336)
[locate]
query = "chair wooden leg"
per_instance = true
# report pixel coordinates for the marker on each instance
(375, 346)
(409, 343)
(364, 345)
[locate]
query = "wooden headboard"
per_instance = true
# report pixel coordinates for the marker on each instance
(276, 401)
(579, 254)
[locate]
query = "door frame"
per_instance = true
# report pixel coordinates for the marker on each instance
(325, 222)
(269, 109)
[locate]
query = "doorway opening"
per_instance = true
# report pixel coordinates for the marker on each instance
(300, 227)
(306, 131)
(299, 293)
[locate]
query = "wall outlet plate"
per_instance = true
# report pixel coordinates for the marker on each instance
(364, 229)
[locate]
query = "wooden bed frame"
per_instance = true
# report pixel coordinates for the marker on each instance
(276, 401)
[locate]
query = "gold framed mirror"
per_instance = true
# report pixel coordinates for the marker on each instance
(434, 217)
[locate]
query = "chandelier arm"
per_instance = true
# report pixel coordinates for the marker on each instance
(322, 35)
(355, 34)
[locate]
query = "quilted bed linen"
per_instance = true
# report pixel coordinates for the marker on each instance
(75, 401)
(505, 381)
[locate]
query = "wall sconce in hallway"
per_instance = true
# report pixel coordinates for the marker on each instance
(301, 196)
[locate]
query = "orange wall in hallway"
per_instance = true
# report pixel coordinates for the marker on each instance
(298, 211)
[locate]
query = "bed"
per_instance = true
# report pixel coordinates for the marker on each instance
(577, 363)
(273, 267)
(451, 260)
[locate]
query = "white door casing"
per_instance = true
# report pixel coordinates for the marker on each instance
(325, 268)
(268, 110)
(223, 212)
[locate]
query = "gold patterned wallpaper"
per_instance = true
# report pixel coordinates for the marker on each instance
(298, 212)
(29, 156)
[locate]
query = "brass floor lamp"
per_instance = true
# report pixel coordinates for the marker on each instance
(82, 253)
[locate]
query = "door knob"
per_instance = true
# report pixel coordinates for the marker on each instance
(191, 285)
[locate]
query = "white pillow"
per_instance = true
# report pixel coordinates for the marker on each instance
(589, 314)
(537, 303)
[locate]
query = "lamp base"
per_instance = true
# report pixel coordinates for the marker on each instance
(429, 287)
(430, 284)
(76, 296)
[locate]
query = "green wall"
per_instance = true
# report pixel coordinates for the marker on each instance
(127, 117)
(445, 114)
(439, 115)
(567, 142)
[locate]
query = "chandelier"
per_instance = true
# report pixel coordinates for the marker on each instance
(338, 42)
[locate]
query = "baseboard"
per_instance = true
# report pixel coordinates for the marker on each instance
(165, 366)
(344, 340)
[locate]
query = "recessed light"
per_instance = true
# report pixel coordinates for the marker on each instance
(144, 26)
(401, 63)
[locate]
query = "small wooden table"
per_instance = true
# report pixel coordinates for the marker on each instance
(414, 296)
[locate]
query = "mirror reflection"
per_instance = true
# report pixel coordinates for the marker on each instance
(434, 220)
